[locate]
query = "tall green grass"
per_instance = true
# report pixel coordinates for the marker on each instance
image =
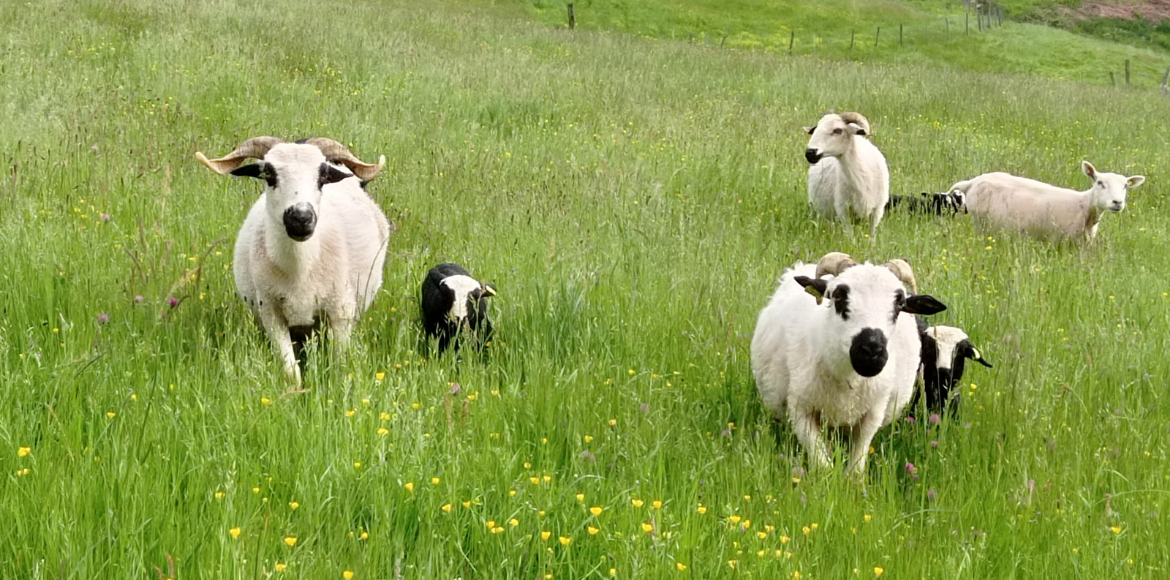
(635, 202)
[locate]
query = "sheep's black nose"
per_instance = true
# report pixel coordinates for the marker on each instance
(868, 352)
(812, 155)
(299, 221)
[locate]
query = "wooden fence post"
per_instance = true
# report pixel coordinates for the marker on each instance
(1165, 80)
(791, 41)
(899, 34)
(967, 22)
(572, 18)
(1112, 81)
(852, 38)
(1127, 72)
(877, 36)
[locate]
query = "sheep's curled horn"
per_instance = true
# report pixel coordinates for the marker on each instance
(337, 153)
(257, 147)
(836, 262)
(857, 119)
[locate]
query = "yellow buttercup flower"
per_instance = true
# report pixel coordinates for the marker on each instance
(637, 502)
(409, 486)
(23, 451)
(680, 566)
(647, 527)
(435, 481)
(592, 530)
(280, 567)
(446, 507)
(290, 541)
(595, 510)
(564, 540)
(544, 535)
(293, 505)
(348, 575)
(580, 497)
(235, 532)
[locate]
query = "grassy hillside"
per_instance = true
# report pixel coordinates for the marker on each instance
(634, 201)
(910, 33)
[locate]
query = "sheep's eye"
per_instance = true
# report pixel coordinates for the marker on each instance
(1100, 184)
(837, 131)
(840, 299)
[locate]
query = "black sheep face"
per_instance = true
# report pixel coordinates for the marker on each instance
(454, 304)
(945, 350)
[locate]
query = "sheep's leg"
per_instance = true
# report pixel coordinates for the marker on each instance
(875, 218)
(808, 431)
(861, 436)
(340, 328)
(277, 329)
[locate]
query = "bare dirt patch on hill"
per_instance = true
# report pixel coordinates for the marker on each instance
(1151, 10)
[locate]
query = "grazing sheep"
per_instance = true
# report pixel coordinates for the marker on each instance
(850, 362)
(945, 349)
(1045, 210)
(452, 302)
(312, 246)
(930, 203)
(848, 177)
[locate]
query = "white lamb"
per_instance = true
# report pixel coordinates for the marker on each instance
(848, 177)
(313, 245)
(1045, 210)
(849, 362)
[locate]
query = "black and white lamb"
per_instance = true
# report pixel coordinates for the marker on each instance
(454, 303)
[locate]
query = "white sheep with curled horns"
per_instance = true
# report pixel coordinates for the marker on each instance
(313, 245)
(849, 361)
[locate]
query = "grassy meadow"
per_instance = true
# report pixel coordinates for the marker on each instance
(634, 201)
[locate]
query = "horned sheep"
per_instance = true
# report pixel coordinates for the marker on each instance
(847, 176)
(313, 245)
(1045, 210)
(848, 362)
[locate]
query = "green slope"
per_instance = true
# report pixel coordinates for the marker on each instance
(910, 32)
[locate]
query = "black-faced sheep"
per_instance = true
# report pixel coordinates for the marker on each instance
(945, 350)
(313, 244)
(453, 303)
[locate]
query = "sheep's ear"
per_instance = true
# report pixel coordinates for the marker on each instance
(857, 130)
(923, 304)
(257, 170)
(815, 287)
(975, 356)
(1089, 169)
(810, 130)
(1135, 181)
